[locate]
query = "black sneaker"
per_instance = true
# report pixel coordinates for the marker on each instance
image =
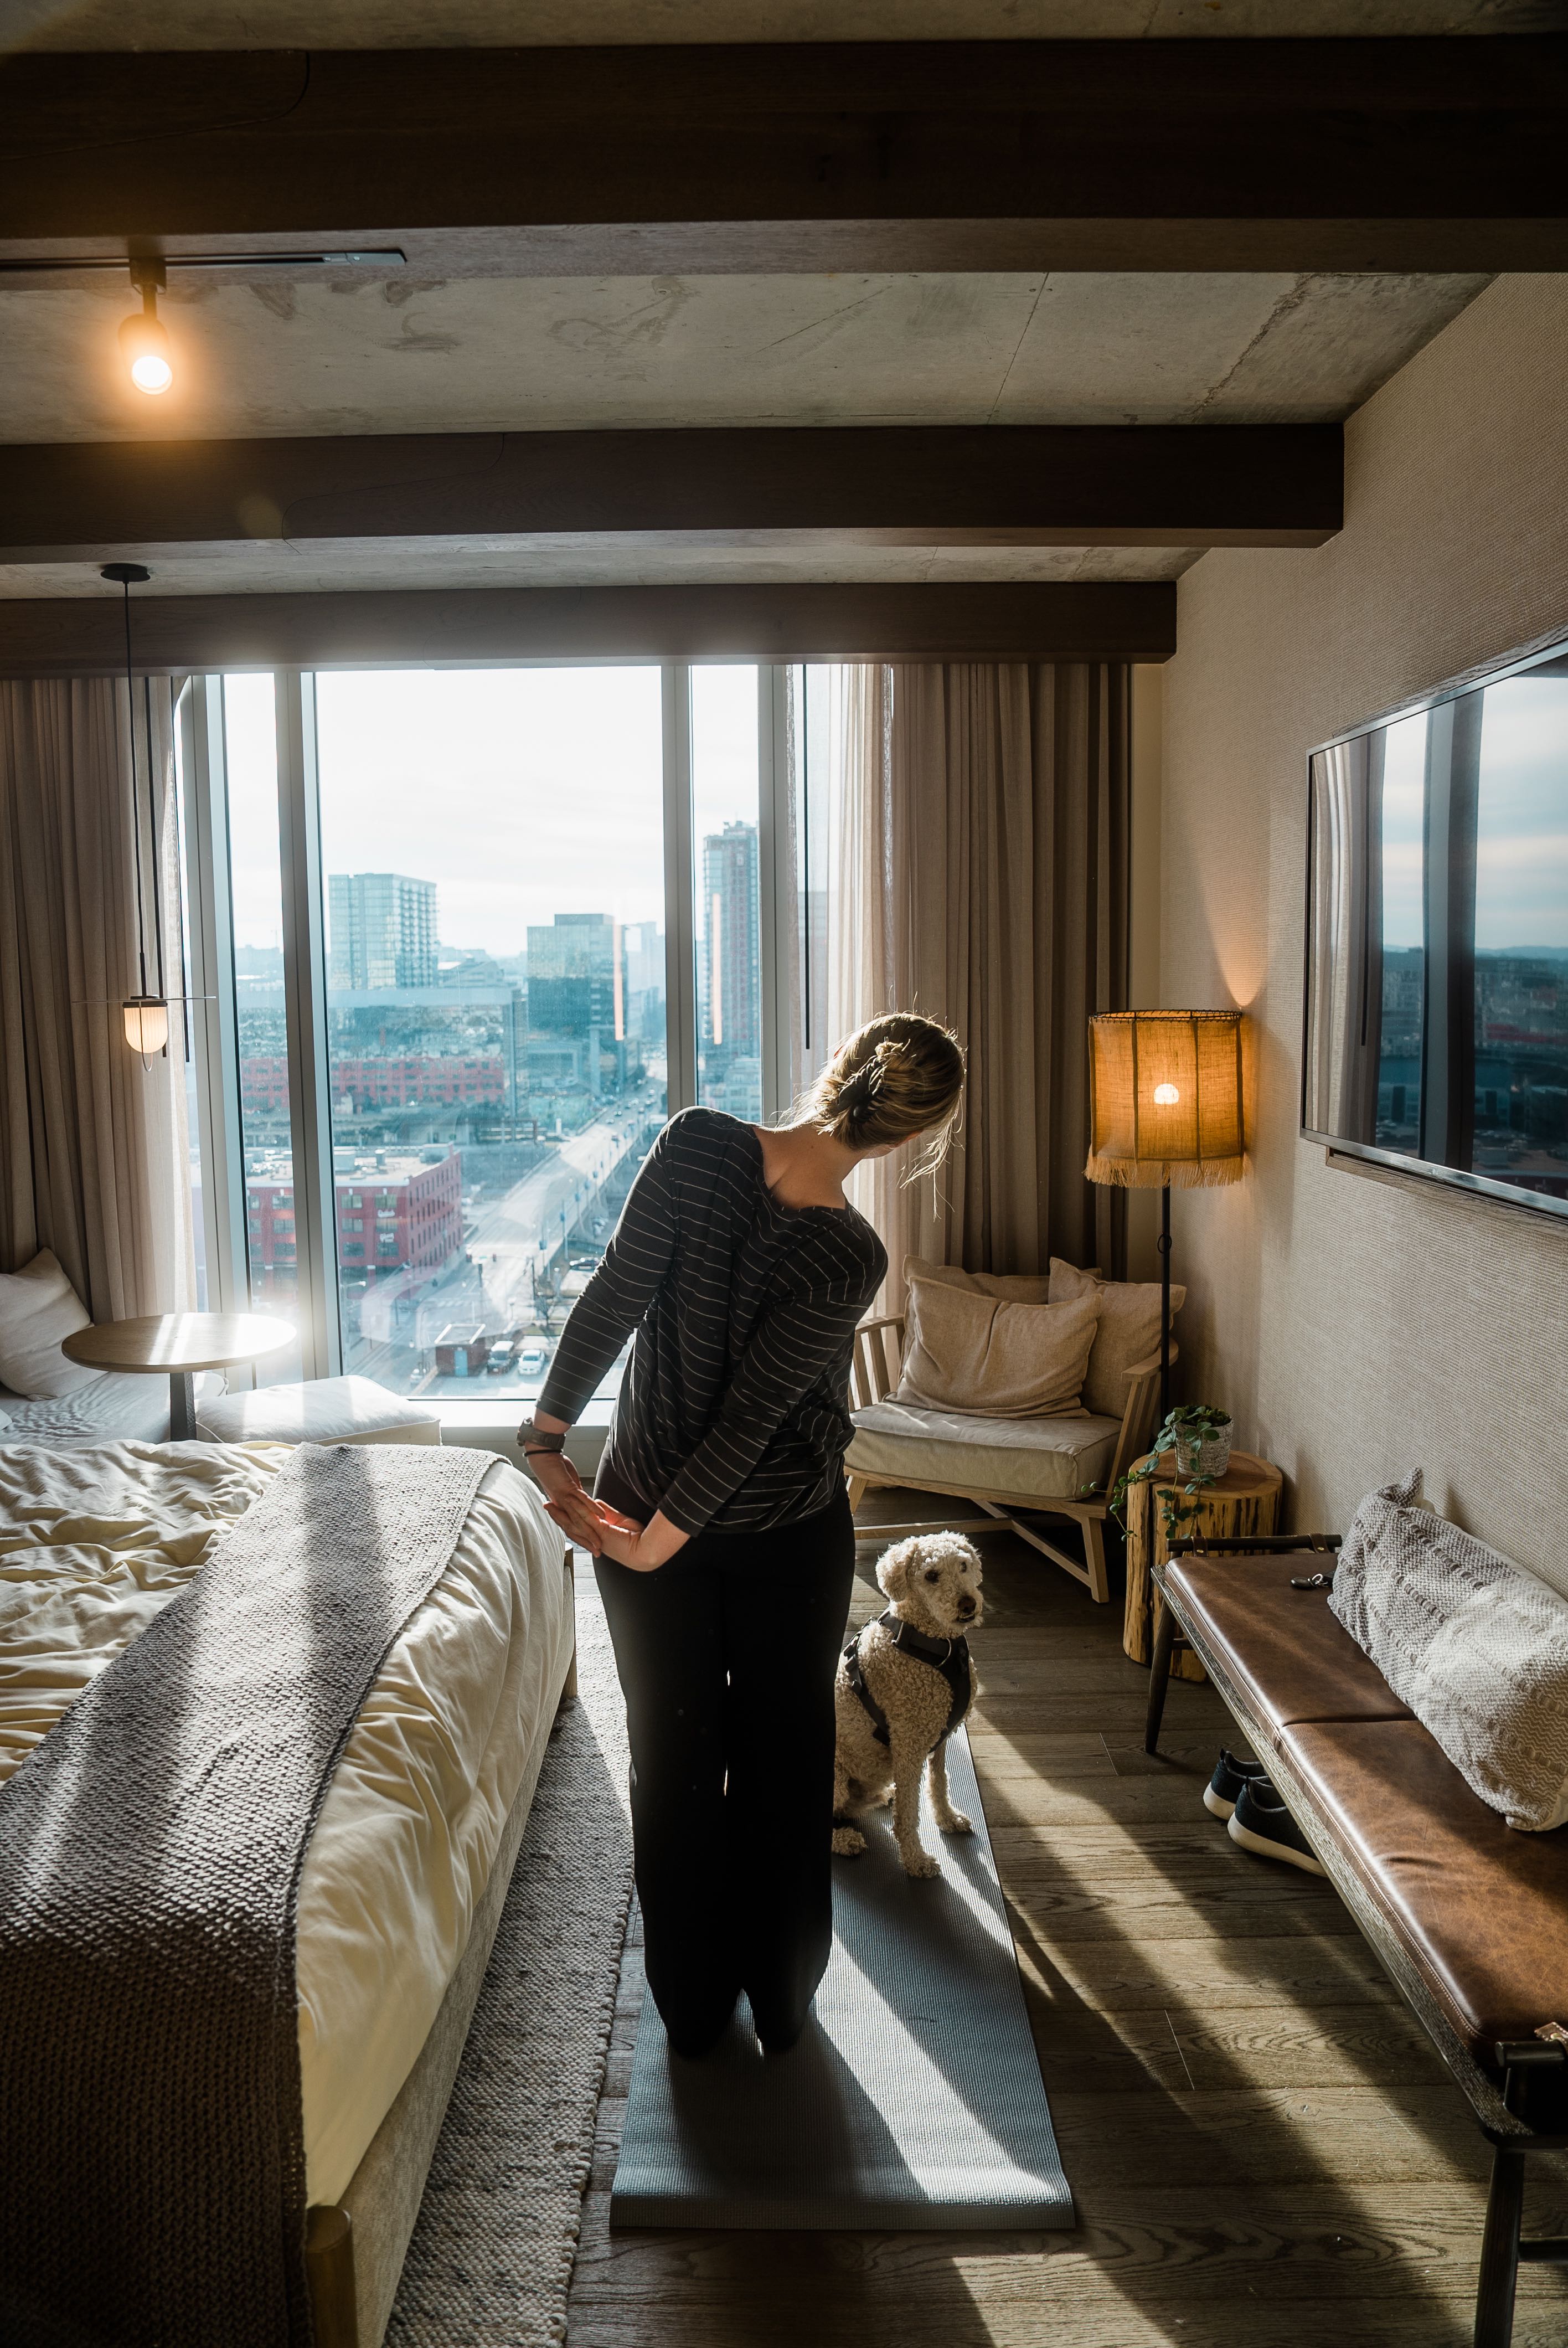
(1230, 1775)
(1261, 1822)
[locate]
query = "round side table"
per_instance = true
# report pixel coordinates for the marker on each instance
(175, 1345)
(1244, 1500)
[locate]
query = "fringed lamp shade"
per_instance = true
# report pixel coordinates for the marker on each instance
(1165, 1098)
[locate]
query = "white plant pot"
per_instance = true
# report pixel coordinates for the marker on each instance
(1212, 1458)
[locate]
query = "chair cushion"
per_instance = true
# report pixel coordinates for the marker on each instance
(1282, 1650)
(1481, 1909)
(1032, 1460)
(321, 1410)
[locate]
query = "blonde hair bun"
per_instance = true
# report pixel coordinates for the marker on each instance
(895, 1077)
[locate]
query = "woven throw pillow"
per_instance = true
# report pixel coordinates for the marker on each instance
(38, 1306)
(990, 1358)
(1010, 1287)
(1477, 1647)
(1128, 1334)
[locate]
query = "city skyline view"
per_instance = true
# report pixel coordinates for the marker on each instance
(496, 990)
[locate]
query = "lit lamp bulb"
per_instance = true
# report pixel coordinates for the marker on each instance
(1166, 1096)
(146, 1024)
(144, 341)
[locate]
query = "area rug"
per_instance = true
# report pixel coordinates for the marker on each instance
(914, 2097)
(491, 2257)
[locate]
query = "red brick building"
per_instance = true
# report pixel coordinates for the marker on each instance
(401, 1216)
(440, 1080)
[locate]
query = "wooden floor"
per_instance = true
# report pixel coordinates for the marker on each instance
(1261, 2145)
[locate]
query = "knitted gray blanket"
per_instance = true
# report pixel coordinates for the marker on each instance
(152, 2178)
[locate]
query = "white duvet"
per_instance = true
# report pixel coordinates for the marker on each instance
(94, 1540)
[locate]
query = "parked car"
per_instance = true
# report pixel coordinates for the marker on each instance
(533, 1357)
(503, 1355)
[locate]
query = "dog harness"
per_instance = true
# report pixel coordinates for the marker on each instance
(948, 1656)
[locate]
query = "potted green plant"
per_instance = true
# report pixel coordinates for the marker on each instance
(1200, 1436)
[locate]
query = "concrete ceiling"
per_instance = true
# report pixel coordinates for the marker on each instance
(281, 356)
(487, 24)
(277, 355)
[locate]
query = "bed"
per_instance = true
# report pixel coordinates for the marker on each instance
(407, 1864)
(107, 1409)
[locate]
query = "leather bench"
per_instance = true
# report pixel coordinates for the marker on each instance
(1469, 1916)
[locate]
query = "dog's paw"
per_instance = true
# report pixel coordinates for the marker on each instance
(848, 1842)
(920, 1862)
(955, 1823)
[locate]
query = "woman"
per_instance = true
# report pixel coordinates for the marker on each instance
(719, 1522)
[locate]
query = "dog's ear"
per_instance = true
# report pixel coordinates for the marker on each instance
(892, 1570)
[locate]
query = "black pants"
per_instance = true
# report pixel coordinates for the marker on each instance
(726, 1658)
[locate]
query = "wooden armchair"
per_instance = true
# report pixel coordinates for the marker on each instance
(1057, 1467)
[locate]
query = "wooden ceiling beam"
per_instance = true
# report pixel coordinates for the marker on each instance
(1219, 484)
(71, 636)
(1396, 154)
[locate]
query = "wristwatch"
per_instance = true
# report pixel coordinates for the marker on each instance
(532, 1438)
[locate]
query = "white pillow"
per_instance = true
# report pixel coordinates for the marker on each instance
(990, 1358)
(1477, 1647)
(38, 1306)
(1128, 1334)
(1007, 1287)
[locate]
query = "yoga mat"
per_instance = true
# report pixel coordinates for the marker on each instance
(914, 2097)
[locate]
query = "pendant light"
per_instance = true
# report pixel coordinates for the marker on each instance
(146, 1015)
(143, 337)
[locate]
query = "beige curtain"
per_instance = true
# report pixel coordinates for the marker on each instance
(983, 878)
(97, 1158)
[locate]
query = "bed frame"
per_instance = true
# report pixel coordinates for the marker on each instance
(354, 2247)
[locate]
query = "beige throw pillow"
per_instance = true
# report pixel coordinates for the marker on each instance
(1128, 1332)
(992, 1358)
(1011, 1287)
(38, 1306)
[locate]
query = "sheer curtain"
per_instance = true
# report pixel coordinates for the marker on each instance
(980, 823)
(97, 1160)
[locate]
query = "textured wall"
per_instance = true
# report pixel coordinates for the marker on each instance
(1357, 1326)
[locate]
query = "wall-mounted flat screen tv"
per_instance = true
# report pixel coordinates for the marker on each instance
(1437, 937)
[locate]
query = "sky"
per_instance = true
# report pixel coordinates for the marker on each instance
(522, 793)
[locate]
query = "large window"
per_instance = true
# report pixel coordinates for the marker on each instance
(515, 918)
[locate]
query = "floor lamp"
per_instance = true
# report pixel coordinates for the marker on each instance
(1165, 1106)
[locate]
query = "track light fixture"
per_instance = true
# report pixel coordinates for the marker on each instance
(143, 340)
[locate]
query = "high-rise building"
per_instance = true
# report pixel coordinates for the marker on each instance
(576, 977)
(382, 930)
(731, 959)
(644, 947)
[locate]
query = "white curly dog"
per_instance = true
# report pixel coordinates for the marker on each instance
(903, 1685)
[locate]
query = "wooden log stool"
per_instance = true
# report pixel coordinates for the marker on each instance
(1243, 1501)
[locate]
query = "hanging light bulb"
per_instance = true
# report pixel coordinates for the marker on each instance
(143, 340)
(146, 1024)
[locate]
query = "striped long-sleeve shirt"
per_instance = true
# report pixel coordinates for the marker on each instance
(733, 1410)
